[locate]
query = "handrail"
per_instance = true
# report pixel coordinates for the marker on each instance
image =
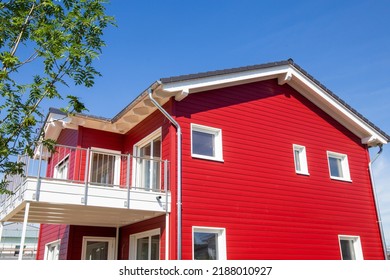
(91, 168)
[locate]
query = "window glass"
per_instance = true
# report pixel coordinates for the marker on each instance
(203, 143)
(335, 167)
(102, 168)
(205, 246)
(347, 249)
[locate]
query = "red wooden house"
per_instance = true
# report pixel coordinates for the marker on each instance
(259, 162)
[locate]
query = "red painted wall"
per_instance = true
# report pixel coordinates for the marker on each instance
(268, 210)
(50, 233)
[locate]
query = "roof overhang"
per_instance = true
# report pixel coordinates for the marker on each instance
(285, 73)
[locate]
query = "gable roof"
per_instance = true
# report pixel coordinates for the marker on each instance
(286, 72)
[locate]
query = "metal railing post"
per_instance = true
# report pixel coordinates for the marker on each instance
(38, 190)
(166, 184)
(86, 177)
(128, 180)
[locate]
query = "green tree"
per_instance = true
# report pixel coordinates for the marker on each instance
(59, 40)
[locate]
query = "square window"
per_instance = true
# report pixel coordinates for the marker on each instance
(209, 244)
(206, 142)
(350, 248)
(338, 166)
(300, 159)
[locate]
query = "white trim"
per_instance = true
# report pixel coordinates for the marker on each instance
(346, 176)
(221, 243)
(217, 132)
(357, 246)
(117, 164)
(111, 243)
(301, 158)
(133, 241)
(50, 244)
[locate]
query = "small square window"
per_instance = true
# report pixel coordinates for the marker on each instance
(300, 159)
(206, 142)
(350, 247)
(209, 243)
(338, 166)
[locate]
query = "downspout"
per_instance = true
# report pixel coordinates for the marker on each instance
(178, 134)
(376, 200)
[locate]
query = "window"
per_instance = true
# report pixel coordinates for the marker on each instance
(209, 243)
(61, 169)
(52, 250)
(148, 162)
(338, 166)
(105, 167)
(350, 247)
(300, 159)
(206, 142)
(145, 245)
(98, 248)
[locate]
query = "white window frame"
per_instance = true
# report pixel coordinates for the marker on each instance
(133, 242)
(137, 173)
(217, 132)
(56, 244)
(221, 242)
(117, 164)
(302, 159)
(357, 246)
(111, 245)
(346, 175)
(64, 161)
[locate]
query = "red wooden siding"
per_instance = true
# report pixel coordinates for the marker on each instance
(51, 233)
(125, 232)
(268, 210)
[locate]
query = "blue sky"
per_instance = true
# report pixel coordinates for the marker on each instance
(343, 44)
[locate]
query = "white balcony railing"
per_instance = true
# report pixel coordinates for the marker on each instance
(94, 177)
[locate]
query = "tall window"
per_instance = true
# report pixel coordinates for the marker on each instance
(145, 245)
(52, 250)
(61, 169)
(104, 167)
(350, 247)
(148, 162)
(338, 166)
(209, 243)
(206, 142)
(300, 159)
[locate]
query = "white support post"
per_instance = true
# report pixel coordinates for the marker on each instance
(116, 243)
(26, 212)
(1, 229)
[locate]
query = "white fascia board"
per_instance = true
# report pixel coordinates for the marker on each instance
(224, 80)
(318, 95)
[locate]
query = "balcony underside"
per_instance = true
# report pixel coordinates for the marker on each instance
(63, 202)
(48, 213)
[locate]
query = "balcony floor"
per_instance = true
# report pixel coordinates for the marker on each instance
(64, 203)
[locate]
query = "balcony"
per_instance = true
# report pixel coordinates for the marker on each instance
(93, 187)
